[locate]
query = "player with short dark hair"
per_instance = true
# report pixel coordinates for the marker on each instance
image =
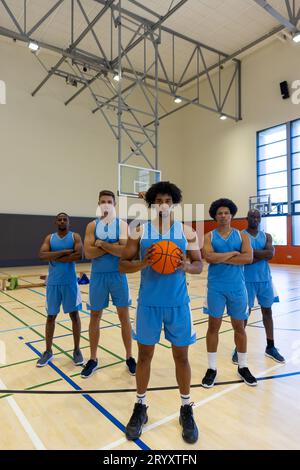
(62, 249)
(226, 250)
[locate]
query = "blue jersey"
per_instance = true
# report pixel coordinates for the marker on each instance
(61, 273)
(162, 290)
(220, 275)
(109, 233)
(260, 271)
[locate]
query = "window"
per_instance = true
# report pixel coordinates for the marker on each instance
(277, 227)
(272, 164)
(278, 174)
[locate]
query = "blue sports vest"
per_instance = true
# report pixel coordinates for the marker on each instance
(220, 275)
(109, 233)
(61, 273)
(162, 290)
(260, 271)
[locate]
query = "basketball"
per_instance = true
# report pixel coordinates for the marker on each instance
(166, 257)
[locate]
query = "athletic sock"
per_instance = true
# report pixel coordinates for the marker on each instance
(185, 399)
(212, 360)
(242, 359)
(270, 343)
(141, 398)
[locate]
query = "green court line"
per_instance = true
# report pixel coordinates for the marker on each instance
(59, 380)
(102, 319)
(62, 326)
(32, 387)
(32, 329)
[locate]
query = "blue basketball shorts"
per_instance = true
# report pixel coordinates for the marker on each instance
(105, 285)
(67, 296)
(235, 301)
(263, 291)
(176, 321)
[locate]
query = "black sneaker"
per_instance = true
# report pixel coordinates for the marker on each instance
(138, 419)
(131, 365)
(89, 369)
(189, 427)
(208, 380)
(247, 377)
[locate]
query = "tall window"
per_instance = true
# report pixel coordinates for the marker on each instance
(295, 176)
(272, 179)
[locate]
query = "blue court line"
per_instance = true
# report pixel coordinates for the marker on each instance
(91, 400)
(279, 376)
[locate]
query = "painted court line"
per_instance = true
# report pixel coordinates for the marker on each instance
(198, 404)
(38, 444)
(90, 399)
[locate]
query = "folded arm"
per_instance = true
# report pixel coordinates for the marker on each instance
(115, 249)
(211, 256)
(246, 254)
(267, 253)
(77, 253)
(90, 250)
(45, 253)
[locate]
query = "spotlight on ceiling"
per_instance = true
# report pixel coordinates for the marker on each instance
(177, 100)
(33, 46)
(296, 37)
(117, 77)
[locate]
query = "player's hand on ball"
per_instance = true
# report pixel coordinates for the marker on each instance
(182, 263)
(147, 261)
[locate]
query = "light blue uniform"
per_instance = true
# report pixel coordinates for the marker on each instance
(106, 280)
(258, 276)
(163, 298)
(62, 287)
(226, 282)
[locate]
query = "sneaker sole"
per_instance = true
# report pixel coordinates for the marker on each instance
(46, 363)
(247, 383)
(276, 360)
(234, 362)
(209, 386)
(88, 376)
(130, 373)
(139, 435)
(79, 363)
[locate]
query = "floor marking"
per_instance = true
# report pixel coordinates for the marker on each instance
(38, 444)
(198, 404)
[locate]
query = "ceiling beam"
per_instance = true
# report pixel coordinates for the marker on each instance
(278, 16)
(163, 28)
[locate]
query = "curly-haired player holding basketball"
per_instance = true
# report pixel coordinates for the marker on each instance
(163, 301)
(226, 250)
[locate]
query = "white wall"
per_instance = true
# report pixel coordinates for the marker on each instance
(55, 157)
(220, 158)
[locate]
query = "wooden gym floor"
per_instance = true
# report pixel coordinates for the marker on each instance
(229, 416)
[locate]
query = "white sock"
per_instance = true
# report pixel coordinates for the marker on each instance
(242, 359)
(185, 399)
(212, 360)
(141, 398)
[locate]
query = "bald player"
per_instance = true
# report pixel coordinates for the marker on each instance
(62, 249)
(258, 280)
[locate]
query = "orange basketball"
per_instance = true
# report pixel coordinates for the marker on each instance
(166, 257)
